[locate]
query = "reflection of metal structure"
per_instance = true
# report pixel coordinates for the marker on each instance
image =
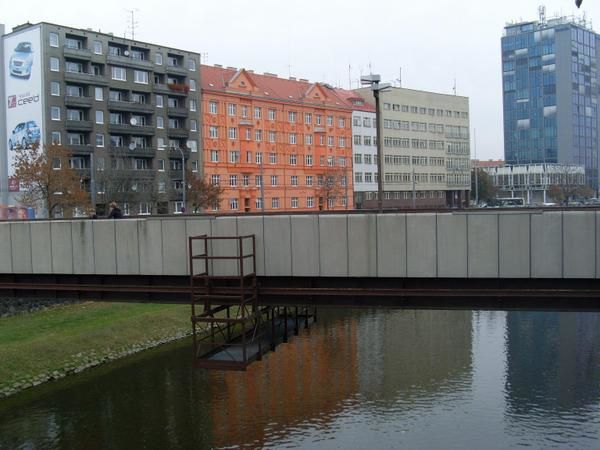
(232, 331)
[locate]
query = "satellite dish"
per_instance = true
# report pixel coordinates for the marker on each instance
(132, 146)
(126, 52)
(187, 145)
(133, 121)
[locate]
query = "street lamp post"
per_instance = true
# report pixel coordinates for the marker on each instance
(373, 81)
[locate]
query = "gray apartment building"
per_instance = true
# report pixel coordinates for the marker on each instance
(426, 149)
(128, 111)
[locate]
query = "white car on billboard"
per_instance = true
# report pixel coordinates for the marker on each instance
(24, 135)
(21, 60)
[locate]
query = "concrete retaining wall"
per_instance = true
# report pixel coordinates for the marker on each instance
(475, 244)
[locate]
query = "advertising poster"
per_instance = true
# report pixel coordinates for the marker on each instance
(23, 65)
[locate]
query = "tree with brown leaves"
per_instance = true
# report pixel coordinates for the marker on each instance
(331, 184)
(46, 178)
(201, 194)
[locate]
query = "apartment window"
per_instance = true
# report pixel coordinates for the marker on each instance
(232, 133)
(140, 76)
(292, 138)
(258, 180)
(259, 158)
(307, 118)
(308, 139)
(258, 203)
(158, 59)
(213, 132)
(358, 177)
(309, 180)
(341, 122)
(213, 107)
(367, 140)
(161, 165)
(234, 156)
(54, 88)
(386, 106)
(310, 203)
(342, 142)
(193, 125)
(119, 73)
(293, 159)
(159, 101)
(329, 141)
(272, 136)
(73, 67)
(258, 135)
(257, 112)
(294, 180)
(74, 91)
(367, 122)
(233, 204)
(192, 145)
(319, 119)
(116, 141)
(357, 158)
(357, 139)
(193, 105)
(192, 84)
(272, 114)
(191, 64)
(160, 122)
(308, 160)
(245, 180)
(56, 137)
(330, 121)
(98, 94)
(97, 47)
(244, 111)
(292, 116)
(160, 143)
(231, 109)
(53, 38)
(248, 134)
(54, 64)
(215, 180)
(249, 157)
(272, 158)
(273, 180)
(55, 113)
(275, 202)
(99, 117)
(233, 180)
(214, 155)
(294, 202)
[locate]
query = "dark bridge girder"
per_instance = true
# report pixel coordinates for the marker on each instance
(550, 294)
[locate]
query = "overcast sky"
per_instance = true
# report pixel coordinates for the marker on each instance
(433, 41)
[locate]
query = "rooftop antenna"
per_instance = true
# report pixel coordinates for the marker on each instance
(204, 58)
(542, 14)
(133, 24)
(454, 87)
(399, 79)
(349, 76)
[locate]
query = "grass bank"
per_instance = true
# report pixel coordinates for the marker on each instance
(53, 343)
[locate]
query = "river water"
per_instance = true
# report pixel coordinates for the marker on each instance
(356, 379)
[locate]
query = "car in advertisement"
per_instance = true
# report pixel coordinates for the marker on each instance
(24, 135)
(21, 60)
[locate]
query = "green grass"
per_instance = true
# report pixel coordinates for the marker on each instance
(49, 340)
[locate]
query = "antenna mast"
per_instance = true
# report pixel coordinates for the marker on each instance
(133, 24)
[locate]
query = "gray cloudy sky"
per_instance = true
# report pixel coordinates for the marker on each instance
(433, 41)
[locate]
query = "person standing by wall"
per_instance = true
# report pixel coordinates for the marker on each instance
(115, 212)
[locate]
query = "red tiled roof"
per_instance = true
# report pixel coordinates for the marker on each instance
(274, 88)
(351, 96)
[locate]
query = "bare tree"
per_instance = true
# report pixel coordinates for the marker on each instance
(200, 192)
(567, 183)
(48, 179)
(332, 184)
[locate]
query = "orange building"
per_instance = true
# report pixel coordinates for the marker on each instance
(286, 141)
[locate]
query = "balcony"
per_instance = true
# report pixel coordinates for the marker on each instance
(178, 132)
(177, 112)
(137, 151)
(319, 129)
(79, 125)
(115, 105)
(77, 53)
(177, 70)
(246, 123)
(81, 102)
(77, 149)
(175, 153)
(174, 89)
(120, 128)
(122, 60)
(86, 78)
(133, 174)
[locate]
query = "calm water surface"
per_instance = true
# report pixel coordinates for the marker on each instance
(356, 379)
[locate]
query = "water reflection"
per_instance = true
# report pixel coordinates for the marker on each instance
(356, 379)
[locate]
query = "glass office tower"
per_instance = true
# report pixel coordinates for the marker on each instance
(550, 94)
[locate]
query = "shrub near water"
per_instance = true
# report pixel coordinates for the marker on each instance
(67, 339)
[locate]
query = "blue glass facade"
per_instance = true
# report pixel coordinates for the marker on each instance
(549, 82)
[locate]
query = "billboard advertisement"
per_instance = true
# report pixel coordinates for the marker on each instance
(23, 87)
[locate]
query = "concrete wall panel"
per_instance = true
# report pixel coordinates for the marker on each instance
(253, 225)
(514, 247)
(579, 249)
(5, 248)
(362, 245)
(421, 259)
(82, 233)
(196, 226)
(333, 245)
(277, 243)
(105, 252)
(62, 247)
(174, 246)
(20, 233)
(128, 253)
(41, 247)
(150, 246)
(452, 245)
(546, 245)
(391, 245)
(225, 226)
(305, 246)
(483, 245)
